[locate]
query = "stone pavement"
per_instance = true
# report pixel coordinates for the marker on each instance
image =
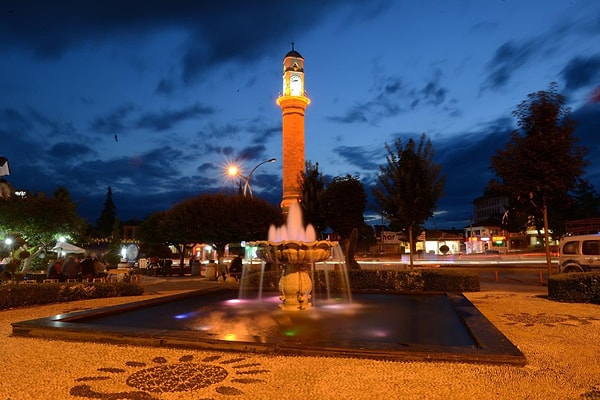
(560, 341)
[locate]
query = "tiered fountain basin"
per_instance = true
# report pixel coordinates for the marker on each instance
(293, 251)
(296, 260)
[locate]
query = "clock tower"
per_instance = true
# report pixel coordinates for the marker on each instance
(293, 102)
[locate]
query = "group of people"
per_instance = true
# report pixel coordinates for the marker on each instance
(73, 268)
(222, 273)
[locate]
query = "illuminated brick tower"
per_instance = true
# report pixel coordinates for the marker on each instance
(293, 102)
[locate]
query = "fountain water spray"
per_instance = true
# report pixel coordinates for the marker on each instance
(296, 250)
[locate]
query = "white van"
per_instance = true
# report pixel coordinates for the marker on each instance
(579, 253)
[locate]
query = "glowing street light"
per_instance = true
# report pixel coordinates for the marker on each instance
(234, 171)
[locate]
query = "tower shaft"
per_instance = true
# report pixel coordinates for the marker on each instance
(292, 109)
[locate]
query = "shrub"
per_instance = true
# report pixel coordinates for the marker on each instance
(443, 280)
(576, 287)
(19, 295)
(385, 281)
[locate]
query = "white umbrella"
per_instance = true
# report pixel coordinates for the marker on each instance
(66, 247)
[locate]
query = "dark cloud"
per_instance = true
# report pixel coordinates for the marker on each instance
(213, 132)
(358, 156)
(466, 163)
(508, 58)
(50, 29)
(70, 152)
(513, 55)
(15, 120)
(392, 96)
(115, 121)
(434, 94)
(166, 119)
(254, 152)
(581, 72)
(587, 129)
(354, 115)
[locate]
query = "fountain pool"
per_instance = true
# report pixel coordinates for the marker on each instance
(426, 326)
(435, 327)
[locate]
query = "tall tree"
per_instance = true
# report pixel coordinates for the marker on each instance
(541, 162)
(409, 186)
(106, 220)
(312, 187)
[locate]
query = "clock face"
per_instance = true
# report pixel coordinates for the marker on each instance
(295, 85)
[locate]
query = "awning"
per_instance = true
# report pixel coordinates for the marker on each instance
(67, 248)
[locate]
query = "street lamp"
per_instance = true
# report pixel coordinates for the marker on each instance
(234, 171)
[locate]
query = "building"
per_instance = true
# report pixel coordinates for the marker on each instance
(585, 226)
(293, 102)
(486, 234)
(442, 242)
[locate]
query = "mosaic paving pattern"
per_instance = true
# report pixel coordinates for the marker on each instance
(527, 319)
(201, 378)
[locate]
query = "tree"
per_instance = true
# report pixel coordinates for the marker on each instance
(210, 218)
(409, 186)
(153, 241)
(587, 201)
(39, 220)
(113, 256)
(312, 187)
(106, 220)
(343, 205)
(541, 162)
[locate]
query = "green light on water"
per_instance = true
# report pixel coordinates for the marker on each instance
(290, 333)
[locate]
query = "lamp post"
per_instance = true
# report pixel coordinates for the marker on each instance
(234, 171)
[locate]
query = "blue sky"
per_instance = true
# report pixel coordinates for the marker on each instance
(154, 98)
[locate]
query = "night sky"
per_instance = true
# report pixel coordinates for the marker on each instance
(156, 98)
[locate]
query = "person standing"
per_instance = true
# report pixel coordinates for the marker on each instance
(235, 269)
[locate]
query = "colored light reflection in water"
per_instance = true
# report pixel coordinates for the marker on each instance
(370, 322)
(259, 321)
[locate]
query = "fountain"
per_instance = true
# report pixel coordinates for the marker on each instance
(390, 326)
(296, 250)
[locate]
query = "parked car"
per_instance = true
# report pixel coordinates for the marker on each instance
(580, 253)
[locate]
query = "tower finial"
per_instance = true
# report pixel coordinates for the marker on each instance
(292, 46)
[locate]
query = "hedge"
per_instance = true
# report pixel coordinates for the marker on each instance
(28, 294)
(416, 280)
(575, 287)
